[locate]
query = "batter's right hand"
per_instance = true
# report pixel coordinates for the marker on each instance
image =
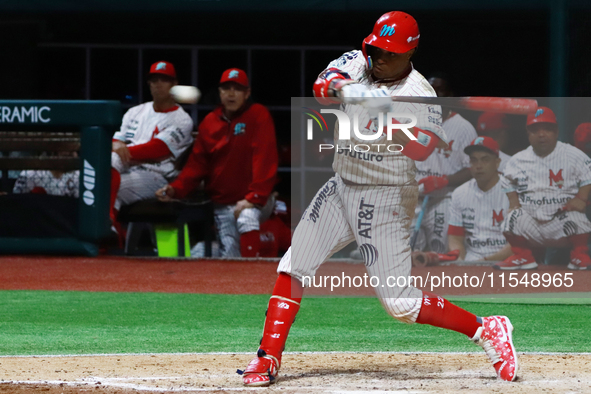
(120, 148)
(166, 193)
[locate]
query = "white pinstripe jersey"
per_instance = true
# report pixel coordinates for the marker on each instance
(141, 123)
(65, 185)
(504, 160)
(448, 161)
(376, 166)
(545, 184)
(480, 214)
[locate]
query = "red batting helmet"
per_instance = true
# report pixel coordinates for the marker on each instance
(395, 31)
(542, 115)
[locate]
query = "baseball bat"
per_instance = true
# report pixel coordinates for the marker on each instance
(415, 233)
(515, 106)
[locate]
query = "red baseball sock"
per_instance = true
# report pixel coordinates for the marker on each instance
(519, 245)
(283, 307)
(115, 183)
(439, 312)
(250, 243)
(579, 242)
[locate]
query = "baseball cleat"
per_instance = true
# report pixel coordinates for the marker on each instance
(496, 338)
(579, 261)
(517, 262)
(261, 371)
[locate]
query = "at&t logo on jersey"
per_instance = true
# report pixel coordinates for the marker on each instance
(387, 31)
(557, 178)
(497, 218)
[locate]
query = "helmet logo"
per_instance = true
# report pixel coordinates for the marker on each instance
(479, 141)
(387, 30)
(233, 74)
(409, 39)
(538, 113)
(483, 125)
(161, 66)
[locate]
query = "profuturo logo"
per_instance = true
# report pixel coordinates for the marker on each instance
(89, 178)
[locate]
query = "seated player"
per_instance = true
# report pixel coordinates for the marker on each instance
(445, 169)
(478, 206)
(495, 126)
(152, 138)
(52, 182)
(548, 187)
(235, 153)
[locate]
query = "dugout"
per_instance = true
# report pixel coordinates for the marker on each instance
(40, 223)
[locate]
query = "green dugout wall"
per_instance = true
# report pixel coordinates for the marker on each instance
(96, 121)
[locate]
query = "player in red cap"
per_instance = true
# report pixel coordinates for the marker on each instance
(495, 126)
(477, 204)
(371, 200)
(583, 137)
(152, 138)
(236, 155)
(548, 186)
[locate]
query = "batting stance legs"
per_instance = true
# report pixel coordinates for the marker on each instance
(378, 218)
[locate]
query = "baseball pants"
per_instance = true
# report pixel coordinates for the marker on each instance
(378, 218)
(553, 233)
(137, 183)
(229, 228)
(433, 233)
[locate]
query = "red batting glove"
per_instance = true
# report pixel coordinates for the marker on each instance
(449, 256)
(432, 183)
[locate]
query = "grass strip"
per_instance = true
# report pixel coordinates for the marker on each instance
(48, 322)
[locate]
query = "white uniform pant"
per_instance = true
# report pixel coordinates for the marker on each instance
(378, 218)
(553, 233)
(137, 183)
(433, 232)
(230, 228)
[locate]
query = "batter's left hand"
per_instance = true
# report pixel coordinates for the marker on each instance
(240, 206)
(432, 183)
(575, 204)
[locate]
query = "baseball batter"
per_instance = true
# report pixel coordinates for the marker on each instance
(478, 207)
(236, 155)
(152, 138)
(548, 186)
(372, 202)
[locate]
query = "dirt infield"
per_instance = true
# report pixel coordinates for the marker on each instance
(109, 273)
(302, 373)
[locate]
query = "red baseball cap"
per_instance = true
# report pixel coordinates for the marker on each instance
(491, 121)
(483, 143)
(163, 68)
(235, 75)
(542, 115)
(582, 135)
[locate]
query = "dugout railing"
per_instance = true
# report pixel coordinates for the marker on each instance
(55, 125)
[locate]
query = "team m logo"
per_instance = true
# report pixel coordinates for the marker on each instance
(557, 179)
(387, 31)
(497, 218)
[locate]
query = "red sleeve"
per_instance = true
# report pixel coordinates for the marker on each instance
(264, 160)
(455, 230)
(194, 170)
(153, 150)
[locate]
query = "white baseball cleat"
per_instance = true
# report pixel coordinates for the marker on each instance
(496, 338)
(261, 371)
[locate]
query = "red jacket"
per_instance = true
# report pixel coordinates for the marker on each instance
(237, 159)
